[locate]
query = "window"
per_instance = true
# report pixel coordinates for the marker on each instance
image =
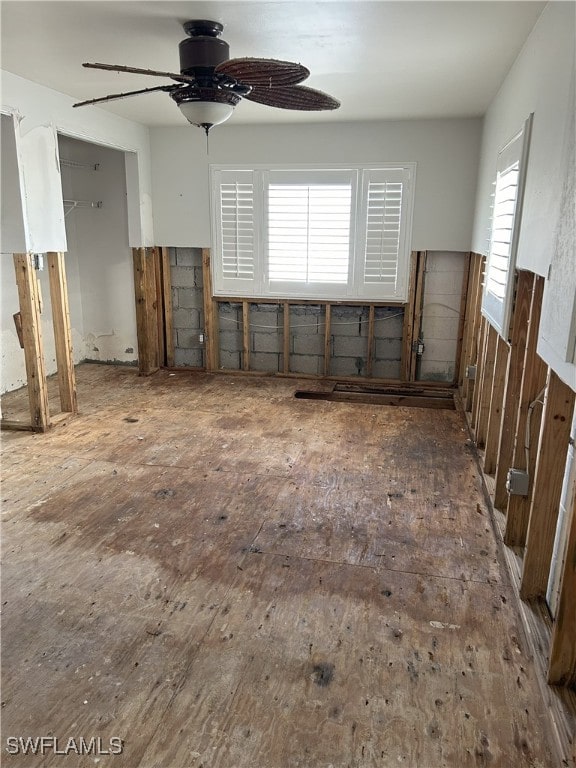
(332, 233)
(499, 283)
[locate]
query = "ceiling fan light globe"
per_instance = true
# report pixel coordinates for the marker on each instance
(202, 113)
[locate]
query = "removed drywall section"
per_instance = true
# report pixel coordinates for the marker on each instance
(443, 278)
(187, 306)
(446, 153)
(98, 248)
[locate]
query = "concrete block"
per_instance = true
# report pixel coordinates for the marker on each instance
(306, 364)
(172, 256)
(386, 369)
(349, 321)
(198, 276)
(189, 357)
(307, 344)
(436, 371)
(174, 292)
(230, 341)
(230, 360)
(187, 339)
(387, 349)
(266, 342)
(185, 318)
(440, 327)
(349, 346)
(440, 350)
(443, 282)
(263, 361)
(190, 298)
(182, 277)
(188, 257)
(265, 318)
(347, 366)
(442, 305)
(389, 323)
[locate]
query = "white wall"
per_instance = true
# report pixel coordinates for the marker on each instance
(541, 81)
(42, 113)
(538, 82)
(446, 152)
(99, 252)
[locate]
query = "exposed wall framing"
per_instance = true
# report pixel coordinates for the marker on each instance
(31, 340)
(520, 413)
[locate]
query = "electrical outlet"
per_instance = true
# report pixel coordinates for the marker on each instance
(517, 482)
(201, 338)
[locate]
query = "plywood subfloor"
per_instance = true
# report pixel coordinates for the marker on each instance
(226, 577)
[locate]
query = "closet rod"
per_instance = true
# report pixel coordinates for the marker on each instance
(74, 164)
(81, 204)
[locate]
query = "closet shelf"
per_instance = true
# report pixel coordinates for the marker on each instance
(73, 204)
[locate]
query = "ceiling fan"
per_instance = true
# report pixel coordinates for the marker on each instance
(211, 84)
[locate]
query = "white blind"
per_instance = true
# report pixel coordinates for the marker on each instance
(383, 219)
(502, 230)
(237, 229)
(309, 232)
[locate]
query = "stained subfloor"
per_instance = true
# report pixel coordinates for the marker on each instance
(223, 576)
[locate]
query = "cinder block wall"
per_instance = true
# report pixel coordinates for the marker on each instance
(441, 314)
(187, 306)
(349, 327)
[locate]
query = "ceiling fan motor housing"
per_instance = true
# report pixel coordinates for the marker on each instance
(202, 49)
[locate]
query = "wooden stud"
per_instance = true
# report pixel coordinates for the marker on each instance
(474, 346)
(210, 315)
(27, 283)
(462, 315)
(562, 665)
(408, 325)
(161, 334)
(327, 339)
(548, 477)
(167, 306)
(417, 321)
(286, 339)
(146, 306)
(62, 332)
(485, 394)
(468, 319)
(533, 381)
(496, 405)
(512, 386)
(370, 352)
(245, 336)
(476, 389)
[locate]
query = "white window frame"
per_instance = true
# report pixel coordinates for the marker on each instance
(497, 309)
(359, 177)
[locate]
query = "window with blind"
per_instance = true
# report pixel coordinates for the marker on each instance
(332, 233)
(506, 210)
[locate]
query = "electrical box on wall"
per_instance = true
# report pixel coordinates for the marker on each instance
(517, 482)
(471, 372)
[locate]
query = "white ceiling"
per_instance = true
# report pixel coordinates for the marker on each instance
(383, 60)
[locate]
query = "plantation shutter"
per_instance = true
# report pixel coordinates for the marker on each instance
(234, 201)
(499, 281)
(385, 243)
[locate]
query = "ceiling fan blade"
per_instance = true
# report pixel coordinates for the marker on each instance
(137, 71)
(293, 97)
(264, 72)
(127, 93)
